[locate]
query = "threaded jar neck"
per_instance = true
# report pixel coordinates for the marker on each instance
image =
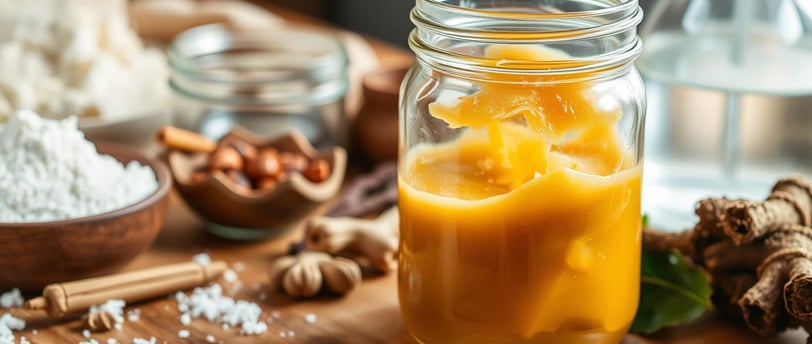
(594, 35)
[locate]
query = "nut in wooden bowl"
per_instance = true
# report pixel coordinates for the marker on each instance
(251, 188)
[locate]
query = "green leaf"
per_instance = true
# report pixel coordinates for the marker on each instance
(671, 292)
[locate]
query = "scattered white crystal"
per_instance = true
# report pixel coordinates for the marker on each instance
(183, 333)
(112, 341)
(114, 307)
(202, 259)
(230, 276)
(210, 339)
(253, 328)
(151, 340)
(86, 333)
(186, 319)
(211, 304)
(310, 318)
(134, 315)
(11, 298)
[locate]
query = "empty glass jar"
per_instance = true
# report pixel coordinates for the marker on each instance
(267, 81)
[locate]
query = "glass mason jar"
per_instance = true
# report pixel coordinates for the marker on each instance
(266, 81)
(521, 135)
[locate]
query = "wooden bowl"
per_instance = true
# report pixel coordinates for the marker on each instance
(256, 214)
(376, 127)
(33, 255)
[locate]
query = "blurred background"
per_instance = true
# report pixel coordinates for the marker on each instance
(387, 20)
(729, 86)
(729, 82)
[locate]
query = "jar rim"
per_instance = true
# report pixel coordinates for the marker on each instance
(183, 61)
(624, 5)
(459, 32)
(215, 62)
(617, 18)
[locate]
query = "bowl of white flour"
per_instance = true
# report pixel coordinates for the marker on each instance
(70, 208)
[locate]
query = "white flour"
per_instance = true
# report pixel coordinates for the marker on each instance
(77, 57)
(48, 171)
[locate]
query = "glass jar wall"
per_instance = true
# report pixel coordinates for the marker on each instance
(268, 82)
(520, 172)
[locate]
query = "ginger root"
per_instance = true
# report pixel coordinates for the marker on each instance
(307, 273)
(375, 240)
(758, 255)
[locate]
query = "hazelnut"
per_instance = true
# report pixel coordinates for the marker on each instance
(225, 158)
(267, 183)
(247, 151)
(198, 176)
(239, 179)
(266, 164)
(318, 171)
(293, 162)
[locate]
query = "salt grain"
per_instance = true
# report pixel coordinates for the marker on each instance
(210, 339)
(112, 341)
(86, 333)
(282, 334)
(239, 266)
(113, 307)
(24, 340)
(253, 328)
(202, 259)
(230, 276)
(183, 333)
(151, 340)
(134, 315)
(211, 304)
(9, 322)
(91, 341)
(11, 298)
(186, 319)
(117, 327)
(310, 318)
(291, 333)
(34, 332)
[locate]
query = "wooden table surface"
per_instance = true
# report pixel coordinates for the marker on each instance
(369, 314)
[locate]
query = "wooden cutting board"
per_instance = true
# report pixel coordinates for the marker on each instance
(369, 314)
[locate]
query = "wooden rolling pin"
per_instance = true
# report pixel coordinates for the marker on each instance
(62, 299)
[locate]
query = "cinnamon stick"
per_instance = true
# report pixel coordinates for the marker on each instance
(184, 140)
(798, 291)
(728, 289)
(790, 202)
